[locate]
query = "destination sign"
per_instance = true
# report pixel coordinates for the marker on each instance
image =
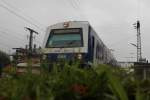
(67, 31)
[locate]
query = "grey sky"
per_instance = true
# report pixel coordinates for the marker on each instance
(111, 19)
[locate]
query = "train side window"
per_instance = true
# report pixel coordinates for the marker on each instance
(102, 56)
(98, 51)
(92, 46)
(101, 51)
(93, 42)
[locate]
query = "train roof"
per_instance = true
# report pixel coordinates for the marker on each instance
(82, 22)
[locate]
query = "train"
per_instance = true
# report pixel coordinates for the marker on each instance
(76, 40)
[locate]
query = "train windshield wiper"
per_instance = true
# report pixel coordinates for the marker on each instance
(70, 43)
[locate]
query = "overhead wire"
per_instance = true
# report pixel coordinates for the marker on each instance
(77, 3)
(122, 40)
(11, 11)
(23, 15)
(19, 36)
(15, 41)
(19, 15)
(75, 7)
(8, 34)
(26, 16)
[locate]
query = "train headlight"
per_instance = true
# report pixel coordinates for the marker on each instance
(79, 56)
(44, 57)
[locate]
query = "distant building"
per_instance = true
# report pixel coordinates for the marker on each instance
(126, 64)
(142, 70)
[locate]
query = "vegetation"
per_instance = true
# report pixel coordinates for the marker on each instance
(69, 82)
(4, 58)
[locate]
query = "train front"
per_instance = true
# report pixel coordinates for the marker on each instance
(66, 41)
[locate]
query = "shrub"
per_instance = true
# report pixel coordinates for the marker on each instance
(73, 83)
(4, 58)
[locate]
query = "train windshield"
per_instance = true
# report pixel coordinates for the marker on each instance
(65, 38)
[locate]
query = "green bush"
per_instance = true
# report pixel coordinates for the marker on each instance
(4, 58)
(69, 82)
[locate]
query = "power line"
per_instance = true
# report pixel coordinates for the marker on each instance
(7, 44)
(75, 7)
(122, 40)
(20, 36)
(18, 15)
(77, 2)
(6, 36)
(10, 6)
(9, 39)
(15, 36)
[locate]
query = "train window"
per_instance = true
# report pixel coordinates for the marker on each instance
(103, 52)
(98, 52)
(93, 46)
(65, 38)
(93, 42)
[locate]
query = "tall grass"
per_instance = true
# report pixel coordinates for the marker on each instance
(69, 82)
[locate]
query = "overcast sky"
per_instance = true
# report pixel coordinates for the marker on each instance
(112, 20)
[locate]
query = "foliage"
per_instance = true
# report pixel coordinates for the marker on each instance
(4, 58)
(69, 82)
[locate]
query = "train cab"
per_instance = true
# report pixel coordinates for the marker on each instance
(68, 40)
(75, 40)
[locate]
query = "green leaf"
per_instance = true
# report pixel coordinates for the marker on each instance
(116, 87)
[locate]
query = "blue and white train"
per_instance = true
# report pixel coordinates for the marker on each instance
(76, 40)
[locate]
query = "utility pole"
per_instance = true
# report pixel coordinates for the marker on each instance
(31, 40)
(138, 46)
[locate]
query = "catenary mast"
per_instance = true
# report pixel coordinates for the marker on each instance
(139, 51)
